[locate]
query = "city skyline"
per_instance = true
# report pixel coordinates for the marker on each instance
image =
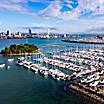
(65, 15)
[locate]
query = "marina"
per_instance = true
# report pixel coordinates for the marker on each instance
(52, 52)
(63, 66)
(89, 70)
(55, 74)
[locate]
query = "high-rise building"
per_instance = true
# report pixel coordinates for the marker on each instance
(18, 33)
(7, 32)
(30, 33)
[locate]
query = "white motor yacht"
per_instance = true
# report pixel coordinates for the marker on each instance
(11, 59)
(34, 68)
(102, 81)
(27, 64)
(2, 65)
(95, 83)
(20, 63)
(44, 71)
(21, 58)
(55, 77)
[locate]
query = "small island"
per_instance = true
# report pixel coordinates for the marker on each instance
(20, 49)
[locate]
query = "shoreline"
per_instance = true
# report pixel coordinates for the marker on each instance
(84, 42)
(22, 54)
(85, 93)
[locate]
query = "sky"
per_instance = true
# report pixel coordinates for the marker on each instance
(67, 16)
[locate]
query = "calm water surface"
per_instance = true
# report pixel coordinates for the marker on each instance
(21, 86)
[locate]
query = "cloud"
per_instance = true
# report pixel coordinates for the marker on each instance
(19, 6)
(97, 30)
(86, 8)
(91, 7)
(81, 8)
(95, 6)
(40, 27)
(13, 5)
(53, 10)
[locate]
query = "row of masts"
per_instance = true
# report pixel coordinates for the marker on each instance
(80, 62)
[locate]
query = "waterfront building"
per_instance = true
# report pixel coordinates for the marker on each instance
(2, 35)
(18, 33)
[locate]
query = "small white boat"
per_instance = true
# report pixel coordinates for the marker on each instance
(95, 83)
(20, 63)
(8, 67)
(34, 69)
(21, 58)
(55, 77)
(2, 65)
(10, 60)
(44, 71)
(102, 81)
(27, 64)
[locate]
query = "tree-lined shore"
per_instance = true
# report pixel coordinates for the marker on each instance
(20, 49)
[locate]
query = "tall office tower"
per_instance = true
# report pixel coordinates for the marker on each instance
(30, 33)
(8, 32)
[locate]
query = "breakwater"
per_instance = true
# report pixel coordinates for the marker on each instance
(85, 92)
(83, 42)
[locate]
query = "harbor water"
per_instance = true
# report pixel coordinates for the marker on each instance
(22, 86)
